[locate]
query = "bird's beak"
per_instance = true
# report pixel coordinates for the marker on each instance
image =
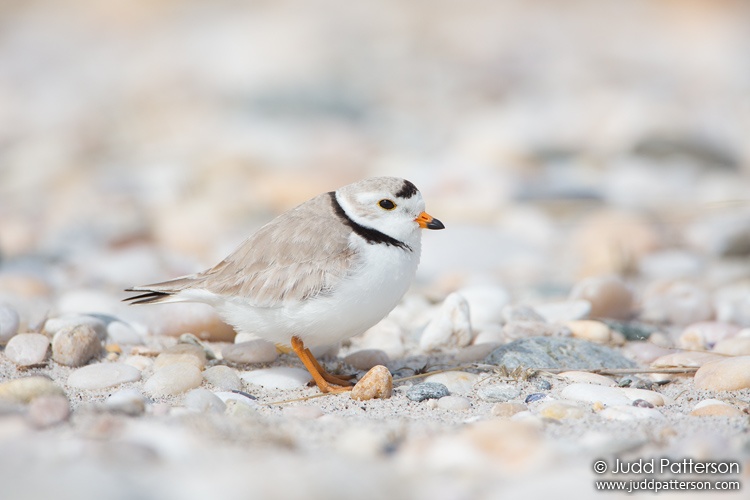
(427, 221)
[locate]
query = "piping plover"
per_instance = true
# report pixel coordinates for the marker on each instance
(324, 271)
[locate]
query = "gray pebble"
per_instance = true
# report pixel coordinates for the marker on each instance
(27, 349)
(427, 390)
(204, 401)
(544, 385)
(222, 377)
(555, 352)
(534, 397)
(498, 393)
(75, 345)
(9, 323)
(642, 403)
(54, 325)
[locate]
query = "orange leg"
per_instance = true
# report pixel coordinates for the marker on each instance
(319, 375)
(334, 379)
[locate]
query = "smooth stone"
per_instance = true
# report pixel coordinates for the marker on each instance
(715, 408)
(181, 353)
(252, 351)
(557, 353)
(506, 409)
(102, 375)
(588, 329)
(142, 363)
(203, 401)
(388, 336)
(476, 352)
(492, 334)
(223, 377)
(451, 327)
(376, 384)
(705, 334)
(454, 403)
(427, 390)
(560, 312)
(302, 412)
(173, 379)
(675, 302)
(644, 352)
(687, 359)
(631, 330)
(24, 390)
(457, 382)
(75, 345)
(587, 378)
(27, 349)
(46, 411)
(486, 304)
(534, 397)
(652, 397)
(731, 374)
(521, 313)
(9, 323)
(498, 392)
(735, 346)
(236, 398)
(277, 377)
(561, 410)
(366, 359)
(619, 412)
(732, 304)
(608, 295)
(525, 329)
(119, 332)
(201, 320)
(128, 401)
(54, 325)
(595, 393)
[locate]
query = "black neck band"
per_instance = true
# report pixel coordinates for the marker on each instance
(370, 235)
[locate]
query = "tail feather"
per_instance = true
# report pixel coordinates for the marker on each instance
(165, 291)
(146, 298)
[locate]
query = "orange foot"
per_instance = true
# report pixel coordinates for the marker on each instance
(324, 380)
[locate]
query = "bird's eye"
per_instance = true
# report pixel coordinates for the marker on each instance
(387, 204)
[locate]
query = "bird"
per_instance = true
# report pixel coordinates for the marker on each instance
(317, 274)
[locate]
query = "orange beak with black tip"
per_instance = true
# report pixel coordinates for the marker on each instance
(427, 221)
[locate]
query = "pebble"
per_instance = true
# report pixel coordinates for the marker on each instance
(523, 329)
(506, 409)
(451, 327)
(715, 408)
(536, 396)
(642, 403)
(631, 330)
(644, 352)
(675, 302)
(181, 353)
(620, 412)
(590, 393)
(54, 325)
(686, 359)
(731, 374)
(223, 377)
(587, 378)
(203, 401)
(561, 410)
(9, 323)
(386, 336)
(544, 385)
(128, 401)
(705, 334)
(457, 382)
(102, 375)
(651, 397)
(75, 345)
(375, 384)
(302, 412)
(498, 392)
(46, 411)
(201, 320)
(556, 353)
(521, 313)
(486, 304)
(277, 377)
(492, 334)
(27, 349)
(142, 363)
(608, 295)
(594, 331)
(24, 390)
(427, 390)
(454, 403)
(476, 352)
(561, 312)
(123, 333)
(735, 346)
(732, 304)
(252, 351)
(236, 398)
(173, 379)
(366, 359)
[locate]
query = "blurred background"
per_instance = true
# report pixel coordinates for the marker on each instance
(556, 140)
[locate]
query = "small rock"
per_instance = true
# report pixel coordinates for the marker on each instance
(587, 378)
(456, 382)
(486, 304)
(705, 334)
(642, 403)
(631, 330)
(181, 353)
(450, 328)
(75, 345)
(277, 377)
(608, 295)
(386, 336)
(454, 403)
(476, 352)
(223, 377)
(644, 352)
(376, 384)
(102, 375)
(561, 312)
(687, 359)
(652, 397)
(543, 384)
(489, 335)
(498, 392)
(594, 331)
(731, 374)
(537, 396)
(142, 363)
(555, 353)
(173, 379)
(127, 401)
(9, 323)
(27, 349)
(252, 351)
(715, 408)
(595, 393)
(619, 412)
(735, 346)
(46, 411)
(54, 325)
(427, 390)
(675, 302)
(561, 410)
(203, 401)
(302, 412)
(521, 313)
(24, 390)
(525, 329)
(507, 409)
(367, 359)
(732, 304)
(119, 332)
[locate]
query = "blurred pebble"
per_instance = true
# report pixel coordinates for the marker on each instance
(75, 345)
(173, 379)
(365, 359)
(735, 346)
(237, 398)
(631, 330)
(594, 331)
(485, 303)
(704, 334)
(521, 313)
(507, 409)
(454, 403)
(642, 403)
(252, 351)
(732, 304)
(608, 295)
(514, 330)
(489, 335)
(127, 401)
(476, 352)
(560, 312)
(386, 336)
(561, 410)
(102, 375)
(201, 320)
(302, 412)
(543, 385)
(498, 392)
(46, 411)
(24, 390)
(652, 397)
(555, 352)
(536, 396)
(9, 323)
(671, 264)
(455, 381)
(142, 363)
(715, 408)
(623, 413)
(427, 390)
(54, 325)
(731, 374)
(451, 326)
(203, 401)
(644, 352)
(376, 384)
(222, 377)
(181, 353)
(120, 332)
(277, 377)
(686, 359)
(595, 393)
(27, 349)
(675, 302)
(587, 378)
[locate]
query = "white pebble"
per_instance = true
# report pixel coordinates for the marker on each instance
(593, 331)
(595, 393)
(456, 382)
(173, 379)
(223, 377)
(486, 303)
(54, 325)
(142, 363)
(119, 332)
(704, 334)
(560, 312)
(277, 377)
(102, 375)
(729, 374)
(204, 401)
(46, 411)
(454, 403)
(685, 359)
(27, 349)
(252, 351)
(450, 328)
(9, 323)
(386, 336)
(498, 392)
(181, 353)
(587, 378)
(129, 401)
(652, 397)
(629, 412)
(367, 358)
